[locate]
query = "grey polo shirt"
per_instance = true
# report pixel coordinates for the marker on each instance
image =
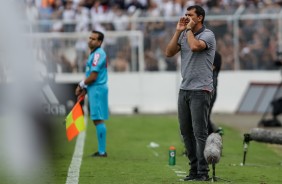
(196, 67)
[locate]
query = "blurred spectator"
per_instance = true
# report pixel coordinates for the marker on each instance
(82, 19)
(219, 27)
(120, 63)
(151, 62)
(258, 43)
(81, 55)
(76, 2)
(120, 18)
(45, 13)
(119, 3)
(97, 15)
(247, 59)
(272, 49)
(64, 64)
(56, 16)
(153, 10)
(111, 43)
(69, 17)
(88, 3)
(226, 48)
(248, 27)
(156, 30)
(138, 4)
(171, 8)
(171, 63)
(47, 3)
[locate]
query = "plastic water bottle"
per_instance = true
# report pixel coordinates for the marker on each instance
(172, 154)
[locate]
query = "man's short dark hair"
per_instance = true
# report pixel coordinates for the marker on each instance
(100, 35)
(199, 11)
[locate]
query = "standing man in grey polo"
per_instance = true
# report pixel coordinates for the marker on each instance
(197, 47)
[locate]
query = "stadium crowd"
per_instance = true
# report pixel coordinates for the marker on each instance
(258, 38)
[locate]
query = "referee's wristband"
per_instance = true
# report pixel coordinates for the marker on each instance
(82, 84)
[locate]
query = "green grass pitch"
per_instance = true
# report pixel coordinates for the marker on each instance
(131, 161)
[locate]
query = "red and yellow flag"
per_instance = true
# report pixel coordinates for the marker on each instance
(75, 121)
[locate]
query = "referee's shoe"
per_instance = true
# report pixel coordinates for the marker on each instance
(97, 154)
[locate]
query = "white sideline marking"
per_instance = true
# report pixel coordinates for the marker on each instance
(74, 168)
(181, 175)
(153, 145)
(155, 153)
(179, 172)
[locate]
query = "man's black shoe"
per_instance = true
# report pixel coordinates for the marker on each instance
(97, 154)
(202, 177)
(190, 177)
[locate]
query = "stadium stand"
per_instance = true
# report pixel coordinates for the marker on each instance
(247, 32)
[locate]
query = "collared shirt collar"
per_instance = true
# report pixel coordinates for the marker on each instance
(201, 30)
(94, 50)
